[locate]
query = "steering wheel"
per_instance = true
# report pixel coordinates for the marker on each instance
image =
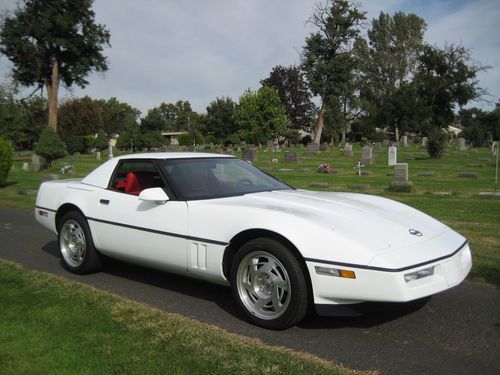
(242, 182)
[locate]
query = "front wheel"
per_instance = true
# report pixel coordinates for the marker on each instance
(76, 246)
(269, 284)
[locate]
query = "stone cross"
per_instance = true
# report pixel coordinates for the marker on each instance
(392, 156)
(359, 166)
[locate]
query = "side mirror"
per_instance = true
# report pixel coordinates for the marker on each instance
(156, 195)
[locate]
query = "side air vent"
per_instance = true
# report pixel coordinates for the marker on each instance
(198, 256)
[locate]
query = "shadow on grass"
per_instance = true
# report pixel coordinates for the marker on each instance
(375, 313)
(9, 183)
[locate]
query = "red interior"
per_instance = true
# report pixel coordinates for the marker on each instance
(135, 182)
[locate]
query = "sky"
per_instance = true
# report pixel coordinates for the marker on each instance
(197, 50)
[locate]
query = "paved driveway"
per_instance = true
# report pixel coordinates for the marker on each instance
(455, 332)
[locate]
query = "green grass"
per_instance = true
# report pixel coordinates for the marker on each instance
(52, 325)
(452, 199)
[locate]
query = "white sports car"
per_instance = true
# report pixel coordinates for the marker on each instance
(282, 250)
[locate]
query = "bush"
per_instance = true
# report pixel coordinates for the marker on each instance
(76, 143)
(436, 141)
(5, 161)
(152, 139)
(50, 145)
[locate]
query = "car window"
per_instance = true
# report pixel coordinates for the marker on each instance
(132, 177)
(205, 178)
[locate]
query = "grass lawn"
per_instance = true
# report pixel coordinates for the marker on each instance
(438, 189)
(52, 325)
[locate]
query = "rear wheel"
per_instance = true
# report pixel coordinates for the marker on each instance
(77, 249)
(269, 284)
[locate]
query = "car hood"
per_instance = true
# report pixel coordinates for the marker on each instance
(371, 222)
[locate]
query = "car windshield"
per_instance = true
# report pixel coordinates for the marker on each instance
(205, 178)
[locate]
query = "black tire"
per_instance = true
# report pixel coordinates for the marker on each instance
(269, 284)
(78, 254)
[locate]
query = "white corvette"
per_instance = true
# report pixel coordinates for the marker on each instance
(282, 250)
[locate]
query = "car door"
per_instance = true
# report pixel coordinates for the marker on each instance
(143, 232)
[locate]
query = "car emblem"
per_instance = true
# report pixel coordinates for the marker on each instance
(415, 232)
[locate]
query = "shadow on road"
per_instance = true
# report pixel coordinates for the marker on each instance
(375, 314)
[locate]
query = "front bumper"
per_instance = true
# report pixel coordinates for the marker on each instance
(389, 285)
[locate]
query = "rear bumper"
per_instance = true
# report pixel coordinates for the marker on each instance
(389, 285)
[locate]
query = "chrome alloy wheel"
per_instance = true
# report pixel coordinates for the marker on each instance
(263, 285)
(72, 243)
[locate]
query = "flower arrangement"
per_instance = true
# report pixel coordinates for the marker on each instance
(324, 168)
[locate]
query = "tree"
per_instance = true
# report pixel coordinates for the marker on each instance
(294, 95)
(50, 145)
(219, 120)
(260, 115)
(116, 114)
(101, 140)
(130, 137)
(170, 117)
(5, 161)
(152, 139)
(81, 116)
(53, 41)
(327, 58)
(445, 79)
(387, 64)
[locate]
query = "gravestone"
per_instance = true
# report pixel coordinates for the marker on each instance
(313, 148)
(461, 144)
(347, 151)
(378, 146)
(400, 181)
(324, 147)
(37, 162)
(26, 167)
(392, 156)
(424, 141)
(98, 155)
(291, 157)
(250, 155)
(404, 140)
(385, 142)
(367, 155)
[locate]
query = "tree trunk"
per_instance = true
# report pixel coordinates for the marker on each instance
(319, 126)
(52, 92)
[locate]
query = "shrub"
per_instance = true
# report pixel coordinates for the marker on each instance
(152, 139)
(5, 161)
(50, 145)
(76, 143)
(436, 141)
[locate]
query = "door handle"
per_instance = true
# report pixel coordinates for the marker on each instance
(104, 201)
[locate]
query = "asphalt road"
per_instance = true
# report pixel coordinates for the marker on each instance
(455, 332)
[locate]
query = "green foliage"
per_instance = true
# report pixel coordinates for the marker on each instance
(130, 138)
(152, 139)
(212, 139)
(76, 143)
(101, 141)
(327, 58)
(43, 33)
(220, 118)
(80, 116)
(446, 78)
(116, 115)
(21, 121)
(232, 139)
(436, 142)
(193, 137)
(294, 96)
(170, 117)
(260, 115)
(306, 140)
(50, 145)
(5, 161)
